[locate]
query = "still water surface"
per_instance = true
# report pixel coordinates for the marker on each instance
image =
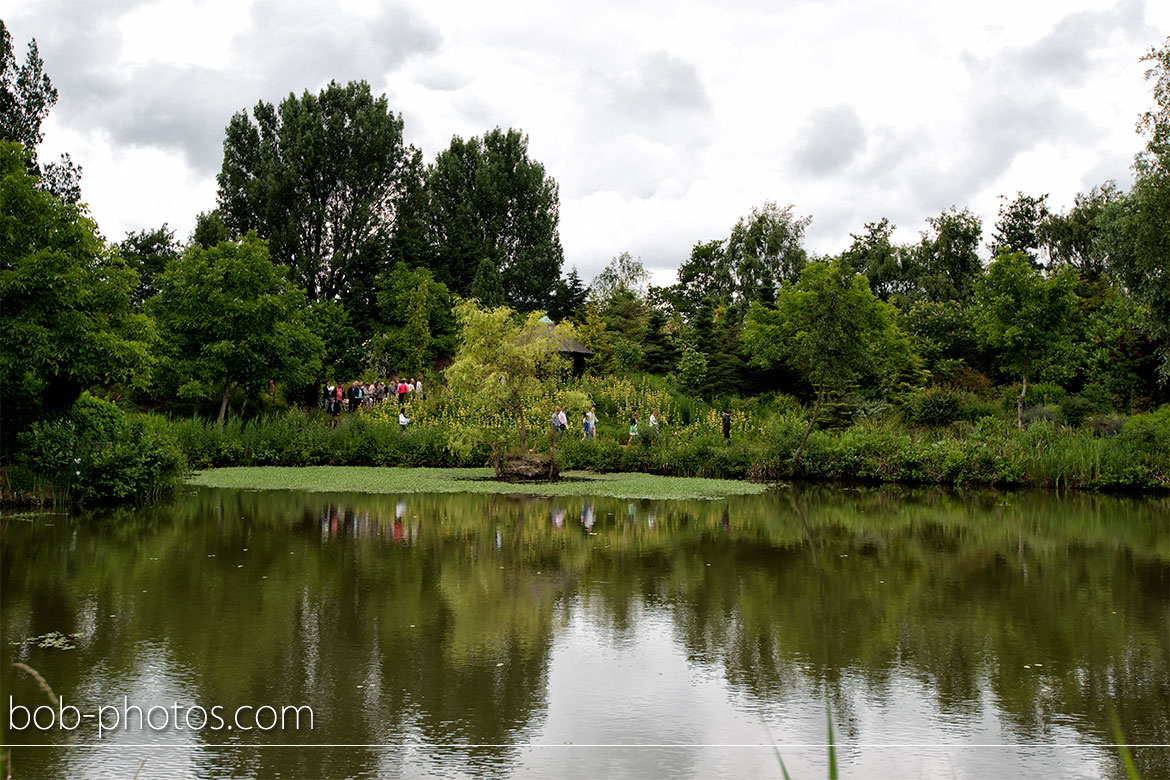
(950, 635)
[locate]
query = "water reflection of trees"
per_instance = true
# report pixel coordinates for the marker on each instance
(431, 618)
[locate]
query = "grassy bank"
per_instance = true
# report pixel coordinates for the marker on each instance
(333, 479)
(100, 454)
(989, 452)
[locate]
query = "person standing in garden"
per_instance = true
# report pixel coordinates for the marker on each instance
(591, 423)
(654, 427)
(633, 429)
(727, 425)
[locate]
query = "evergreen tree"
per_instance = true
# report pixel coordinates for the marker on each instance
(660, 351)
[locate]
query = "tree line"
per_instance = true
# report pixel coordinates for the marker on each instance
(335, 251)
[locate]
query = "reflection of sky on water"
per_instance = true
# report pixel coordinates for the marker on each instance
(155, 680)
(629, 638)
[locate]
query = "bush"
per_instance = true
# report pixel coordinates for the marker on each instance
(1075, 410)
(933, 407)
(98, 454)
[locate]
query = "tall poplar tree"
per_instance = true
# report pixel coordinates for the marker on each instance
(489, 199)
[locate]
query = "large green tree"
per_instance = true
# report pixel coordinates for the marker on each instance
(229, 318)
(413, 308)
(489, 199)
(892, 270)
(948, 256)
(832, 329)
(319, 177)
(27, 95)
(1019, 226)
(68, 323)
(766, 248)
(1071, 237)
(1135, 229)
(148, 252)
(1021, 315)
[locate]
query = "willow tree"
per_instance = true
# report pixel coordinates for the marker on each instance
(504, 360)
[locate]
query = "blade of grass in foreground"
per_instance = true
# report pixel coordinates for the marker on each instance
(832, 749)
(1127, 759)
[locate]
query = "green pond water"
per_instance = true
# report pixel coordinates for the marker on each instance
(973, 635)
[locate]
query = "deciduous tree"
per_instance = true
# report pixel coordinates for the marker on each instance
(1021, 315)
(505, 360)
(830, 327)
(319, 177)
(231, 318)
(26, 96)
(489, 199)
(68, 323)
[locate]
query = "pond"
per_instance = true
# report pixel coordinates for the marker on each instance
(244, 634)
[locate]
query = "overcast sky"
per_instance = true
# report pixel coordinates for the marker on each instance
(663, 122)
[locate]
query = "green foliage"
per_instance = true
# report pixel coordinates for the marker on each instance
(1021, 314)
(692, 371)
(148, 252)
(948, 260)
(1072, 238)
(230, 318)
(765, 248)
(67, 323)
(623, 275)
(417, 331)
(627, 355)
(97, 454)
(933, 407)
(489, 200)
(892, 270)
(396, 348)
(832, 329)
(210, 229)
(1135, 238)
(26, 96)
(342, 354)
(943, 334)
(318, 177)
(594, 336)
(1149, 431)
(1075, 409)
(505, 363)
(1019, 226)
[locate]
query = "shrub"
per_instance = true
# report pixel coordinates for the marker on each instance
(99, 454)
(1075, 409)
(933, 407)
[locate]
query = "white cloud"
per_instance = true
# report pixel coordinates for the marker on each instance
(662, 128)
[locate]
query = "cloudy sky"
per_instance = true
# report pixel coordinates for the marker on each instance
(663, 122)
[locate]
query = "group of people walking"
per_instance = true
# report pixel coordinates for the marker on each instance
(560, 423)
(337, 397)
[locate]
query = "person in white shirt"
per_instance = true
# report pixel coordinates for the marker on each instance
(403, 420)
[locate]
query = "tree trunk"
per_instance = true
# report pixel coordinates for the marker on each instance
(523, 425)
(227, 391)
(808, 430)
(1020, 403)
